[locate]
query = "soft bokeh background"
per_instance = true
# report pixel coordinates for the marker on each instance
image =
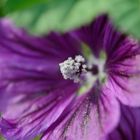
(41, 16)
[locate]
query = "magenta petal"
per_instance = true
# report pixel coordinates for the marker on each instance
(89, 119)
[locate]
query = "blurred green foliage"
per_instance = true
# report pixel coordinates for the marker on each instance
(126, 15)
(18, 5)
(41, 16)
(2, 2)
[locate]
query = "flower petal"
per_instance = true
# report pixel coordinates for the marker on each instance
(29, 116)
(30, 64)
(93, 34)
(125, 85)
(90, 118)
(129, 125)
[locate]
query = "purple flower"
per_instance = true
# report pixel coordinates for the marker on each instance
(129, 125)
(53, 89)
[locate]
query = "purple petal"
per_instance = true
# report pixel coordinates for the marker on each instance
(125, 85)
(129, 125)
(93, 34)
(123, 57)
(39, 56)
(30, 64)
(123, 66)
(100, 36)
(28, 116)
(90, 118)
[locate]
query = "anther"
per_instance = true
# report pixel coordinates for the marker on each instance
(73, 68)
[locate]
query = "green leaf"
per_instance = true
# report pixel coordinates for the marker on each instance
(126, 15)
(15, 5)
(59, 15)
(2, 12)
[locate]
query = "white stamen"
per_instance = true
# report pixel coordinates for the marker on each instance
(73, 68)
(80, 59)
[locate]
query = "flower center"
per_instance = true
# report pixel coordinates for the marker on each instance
(84, 72)
(77, 68)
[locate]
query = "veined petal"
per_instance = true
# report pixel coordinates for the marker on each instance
(129, 125)
(93, 34)
(30, 64)
(28, 116)
(122, 57)
(89, 119)
(125, 85)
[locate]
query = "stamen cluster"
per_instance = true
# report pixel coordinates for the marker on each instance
(73, 68)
